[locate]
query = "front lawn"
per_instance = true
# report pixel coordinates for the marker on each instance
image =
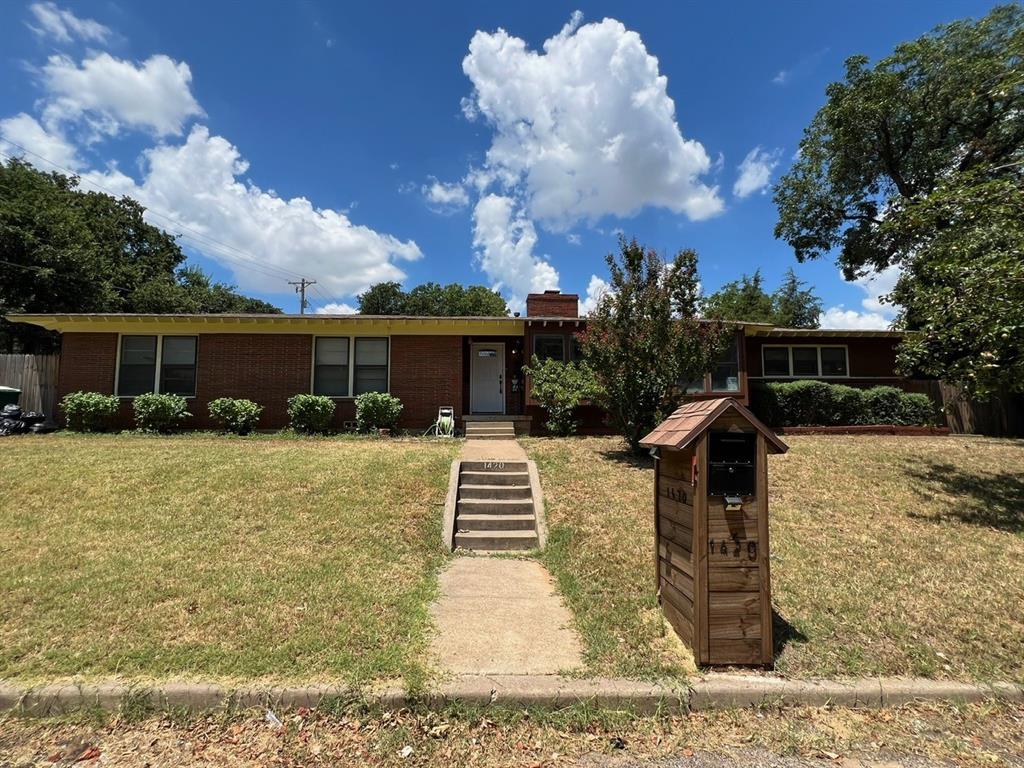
(206, 557)
(890, 556)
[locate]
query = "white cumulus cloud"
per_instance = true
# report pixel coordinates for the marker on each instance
(445, 198)
(337, 309)
(63, 25)
(874, 313)
(199, 183)
(25, 131)
(596, 290)
(108, 93)
(505, 240)
(755, 172)
(586, 127)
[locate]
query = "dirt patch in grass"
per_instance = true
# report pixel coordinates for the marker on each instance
(890, 555)
(218, 558)
(979, 734)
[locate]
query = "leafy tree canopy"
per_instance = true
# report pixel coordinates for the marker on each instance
(790, 306)
(945, 104)
(918, 162)
(432, 300)
(65, 250)
(645, 336)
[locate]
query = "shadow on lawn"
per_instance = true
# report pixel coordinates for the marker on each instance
(993, 500)
(624, 456)
(784, 633)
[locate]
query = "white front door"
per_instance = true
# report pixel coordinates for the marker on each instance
(487, 378)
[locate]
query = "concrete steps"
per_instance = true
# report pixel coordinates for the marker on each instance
(494, 507)
(490, 430)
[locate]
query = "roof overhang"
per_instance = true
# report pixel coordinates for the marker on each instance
(827, 333)
(292, 324)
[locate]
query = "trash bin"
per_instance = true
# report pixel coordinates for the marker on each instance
(9, 396)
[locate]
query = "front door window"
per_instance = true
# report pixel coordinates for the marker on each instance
(487, 386)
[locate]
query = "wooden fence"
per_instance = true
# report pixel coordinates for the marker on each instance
(36, 377)
(1000, 416)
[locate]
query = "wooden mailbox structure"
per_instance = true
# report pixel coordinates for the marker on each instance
(711, 529)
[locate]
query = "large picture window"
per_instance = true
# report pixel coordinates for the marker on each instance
(371, 366)
(164, 364)
(805, 361)
(330, 367)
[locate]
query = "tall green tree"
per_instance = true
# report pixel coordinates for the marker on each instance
(791, 305)
(432, 300)
(65, 250)
(897, 168)
(646, 335)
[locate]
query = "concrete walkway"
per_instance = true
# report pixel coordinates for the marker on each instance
(501, 616)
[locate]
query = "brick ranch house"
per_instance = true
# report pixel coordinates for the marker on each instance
(473, 364)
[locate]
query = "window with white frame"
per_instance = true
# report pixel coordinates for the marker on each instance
(371, 368)
(344, 366)
(165, 364)
(330, 366)
(805, 361)
(724, 375)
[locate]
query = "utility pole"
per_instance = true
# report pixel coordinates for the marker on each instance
(300, 288)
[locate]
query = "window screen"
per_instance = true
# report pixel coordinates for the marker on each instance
(776, 361)
(725, 376)
(805, 361)
(330, 367)
(371, 374)
(178, 365)
(137, 370)
(833, 361)
(549, 348)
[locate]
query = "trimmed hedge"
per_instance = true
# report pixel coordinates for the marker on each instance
(160, 413)
(310, 413)
(236, 415)
(377, 410)
(807, 403)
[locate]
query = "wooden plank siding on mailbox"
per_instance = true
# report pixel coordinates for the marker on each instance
(711, 558)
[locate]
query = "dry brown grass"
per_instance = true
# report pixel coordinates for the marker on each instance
(890, 556)
(973, 735)
(199, 556)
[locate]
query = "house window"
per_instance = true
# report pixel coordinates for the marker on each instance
(371, 369)
(833, 361)
(330, 367)
(776, 361)
(178, 365)
(157, 364)
(549, 348)
(725, 376)
(805, 361)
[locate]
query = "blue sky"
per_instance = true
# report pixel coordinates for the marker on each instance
(503, 144)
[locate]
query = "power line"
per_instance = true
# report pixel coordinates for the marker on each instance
(197, 237)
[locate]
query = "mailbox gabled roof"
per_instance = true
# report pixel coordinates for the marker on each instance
(691, 419)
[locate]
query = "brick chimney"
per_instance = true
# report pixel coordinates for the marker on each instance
(552, 304)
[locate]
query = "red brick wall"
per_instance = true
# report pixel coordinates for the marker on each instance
(426, 373)
(552, 305)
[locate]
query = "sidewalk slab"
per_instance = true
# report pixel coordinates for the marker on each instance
(501, 616)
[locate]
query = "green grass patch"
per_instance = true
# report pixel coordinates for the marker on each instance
(222, 558)
(890, 556)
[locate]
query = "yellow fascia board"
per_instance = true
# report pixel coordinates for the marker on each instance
(272, 324)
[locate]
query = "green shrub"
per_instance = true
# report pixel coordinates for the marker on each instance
(377, 410)
(808, 403)
(847, 405)
(883, 405)
(235, 414)
(310, 413)
(160, 413)
(560, 388)
(89, 411)
(917, 409)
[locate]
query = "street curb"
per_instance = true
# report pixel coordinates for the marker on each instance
(541, 691)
